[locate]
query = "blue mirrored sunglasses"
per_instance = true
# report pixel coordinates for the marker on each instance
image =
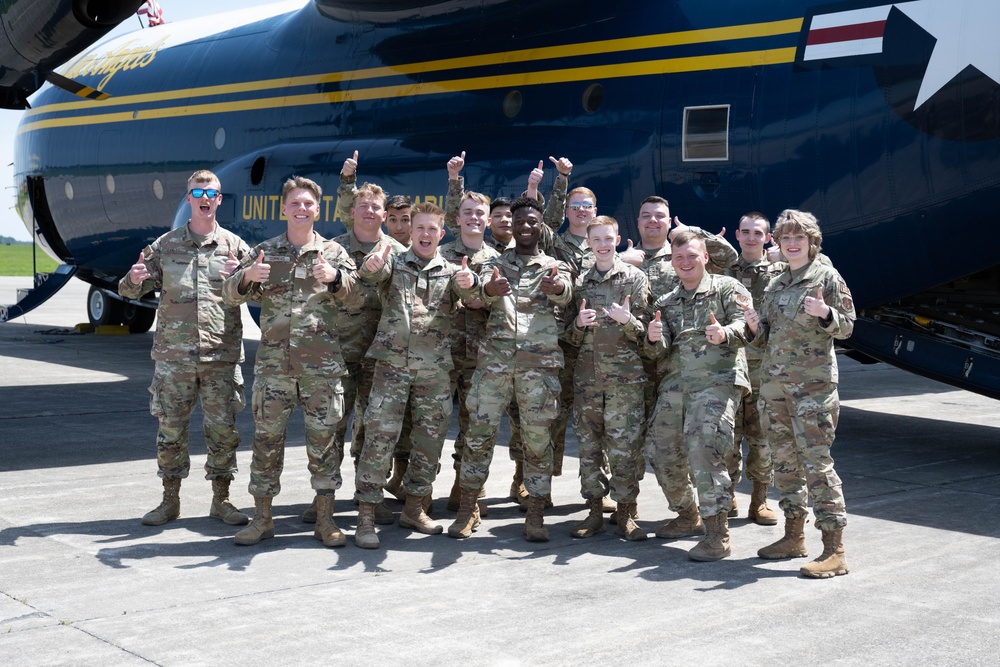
(198, 193)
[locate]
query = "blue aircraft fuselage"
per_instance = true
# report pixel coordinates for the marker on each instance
(722, 107)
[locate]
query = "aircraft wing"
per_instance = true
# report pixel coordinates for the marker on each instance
(37, 36)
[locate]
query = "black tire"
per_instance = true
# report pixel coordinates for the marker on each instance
(137, 318)
(102, 308)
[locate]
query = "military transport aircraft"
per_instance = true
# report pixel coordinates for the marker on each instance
(882, 118)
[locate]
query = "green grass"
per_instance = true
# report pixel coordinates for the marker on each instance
(15, 260)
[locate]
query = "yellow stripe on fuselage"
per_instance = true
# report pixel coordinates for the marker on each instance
(663, 66)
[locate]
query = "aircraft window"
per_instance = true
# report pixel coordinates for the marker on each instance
(706, 133)
(109, 183)
(512, 103)
(257, 171)
(593, 96)
(220, 138)
(68, 187)
(157, 188)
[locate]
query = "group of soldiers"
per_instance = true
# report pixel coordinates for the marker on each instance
(672, 351)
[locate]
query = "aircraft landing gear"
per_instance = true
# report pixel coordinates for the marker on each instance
(138, 319)
(103, 309)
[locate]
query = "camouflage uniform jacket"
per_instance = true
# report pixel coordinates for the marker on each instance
(346, 192)
(685, 357)
(193, 322)
(357, 322)
(609, 351)
(419, 302)
(798, 347)
(297, 319)
(523, 325)
(469, 326)
(657, 266)
(755, 276)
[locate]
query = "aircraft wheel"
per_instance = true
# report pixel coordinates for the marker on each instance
(103, 309)
(138, 319)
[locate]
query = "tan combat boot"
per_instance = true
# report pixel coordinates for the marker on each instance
(517, 491)
(467, 519)
(608, 506)
(309, 516)
(455, 497)
(715, 546)
(734, 512)
(759, 512)
(534, 530)
(413, 516)
(687, 523)
(221, 508)
(792, 545)
(383, 515)
(395, 483)
(523, 504)
(627, 527)
(594, 523)
(170, 507)
(832, 561)
(326, 529)
(364, 535)
(262, 525)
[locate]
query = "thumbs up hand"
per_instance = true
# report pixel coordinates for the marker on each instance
(259, 271)
(714, 332)
(498, 284)
(536, 175)
(815, 305)
(552, 283)
(464, 278)
(323, 271)
(632, 255)
(563, 165)
(587, 317)
(231, 265)
(455, 166)
(375, 261)
(350, 166)
(138, 272)
(622, 314)
(655, 330)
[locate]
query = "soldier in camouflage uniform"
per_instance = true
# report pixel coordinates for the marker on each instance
(413, 361)
(699, 343)
(466, 214)
(299, 278)
(805, 309)
(652, 255)
(398, 213)
(755, 271)
(197, 348)
(611, 305)
(501, 239)
(519, 356)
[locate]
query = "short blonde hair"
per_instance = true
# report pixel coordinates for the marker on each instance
(371, 190)
(301, 183)
(603, 221)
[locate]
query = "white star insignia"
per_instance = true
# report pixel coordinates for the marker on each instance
(966, 34)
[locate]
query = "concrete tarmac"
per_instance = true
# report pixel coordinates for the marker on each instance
(82, 582)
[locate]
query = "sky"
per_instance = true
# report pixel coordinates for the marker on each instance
(173, 10)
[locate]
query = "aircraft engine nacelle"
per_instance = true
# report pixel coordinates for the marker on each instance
(40, 35)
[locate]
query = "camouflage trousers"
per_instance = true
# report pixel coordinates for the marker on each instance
(461, 380)
(608, 426)
(515, 448)
(175, 391)
(357, 388)
(537, 393)
(758, 460)
(427, 393)
(802, 421)
(274, 399)
(687, 438)
(567, 393)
